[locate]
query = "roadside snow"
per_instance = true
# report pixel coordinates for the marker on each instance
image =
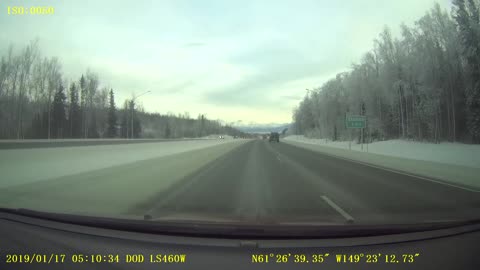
(128, 189)
(217, 136)
(21, 166)
(449, 153)
(452, 164)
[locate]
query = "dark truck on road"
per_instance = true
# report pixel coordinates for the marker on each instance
(274, 137)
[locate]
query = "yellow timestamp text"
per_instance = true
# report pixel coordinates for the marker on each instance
(367, 258)
(34, 10)
(53, 258)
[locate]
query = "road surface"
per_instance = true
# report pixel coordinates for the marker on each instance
(258, 181)
(268, 182)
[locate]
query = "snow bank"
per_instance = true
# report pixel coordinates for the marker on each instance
(21, 166)
(451, 163)
(449, 153)
(217, 136)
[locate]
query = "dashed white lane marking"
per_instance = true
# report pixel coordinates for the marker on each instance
(338, 209)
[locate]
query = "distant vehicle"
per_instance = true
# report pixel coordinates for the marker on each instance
(221, 137)
(274, 137)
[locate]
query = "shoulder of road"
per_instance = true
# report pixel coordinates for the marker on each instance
(449, 174)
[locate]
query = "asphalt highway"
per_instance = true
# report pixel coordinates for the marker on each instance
(252, 181)
(268, 182)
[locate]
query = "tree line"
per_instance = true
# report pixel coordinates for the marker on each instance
(423, 85)
(169, 125)
(38, 102)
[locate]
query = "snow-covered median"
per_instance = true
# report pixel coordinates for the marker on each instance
(21, 166)
(127, 189)
(452, 162)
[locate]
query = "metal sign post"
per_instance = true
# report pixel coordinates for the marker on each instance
(368, 138)
(361, 137)
(356, 122)
(350, 142)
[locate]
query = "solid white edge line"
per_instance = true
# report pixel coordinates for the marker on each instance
(338, 209)
(397, 171)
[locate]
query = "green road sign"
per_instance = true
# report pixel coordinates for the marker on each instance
(356, 121)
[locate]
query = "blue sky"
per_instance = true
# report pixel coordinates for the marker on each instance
(233, 60)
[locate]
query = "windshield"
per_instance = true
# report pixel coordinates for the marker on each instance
(242, 112)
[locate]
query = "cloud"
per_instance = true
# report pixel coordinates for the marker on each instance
(292, 97)
(177, 88)
(194, 44)
(272, 72)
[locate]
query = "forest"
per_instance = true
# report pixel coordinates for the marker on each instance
(38, 102)
(423, 85)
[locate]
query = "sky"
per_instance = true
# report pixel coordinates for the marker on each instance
(243, 62)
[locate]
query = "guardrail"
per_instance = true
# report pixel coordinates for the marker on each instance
(43, 143)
